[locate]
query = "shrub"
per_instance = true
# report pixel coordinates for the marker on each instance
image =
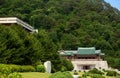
(40, 68)
(96, 76)
(0, 75)
(16, 68)
(111, 73)
(67, 64)
(1, 67)
(79, 70)
(118, 77)
(91, 75)
(95, 71)
(63, 69)
(27, 69)
(61, 75)
(37, 63)
(67, 74)
(85, 75)
(79, 77)
(104, 70)
(15, 75)
(6, 70)
(75, 73)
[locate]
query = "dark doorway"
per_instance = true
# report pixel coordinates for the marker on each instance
(86, 67)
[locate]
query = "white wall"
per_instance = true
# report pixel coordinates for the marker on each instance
(97, 64)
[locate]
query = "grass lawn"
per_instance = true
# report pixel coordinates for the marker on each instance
(46, 75)
(35, 75)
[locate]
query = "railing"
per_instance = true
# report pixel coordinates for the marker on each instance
(25, 24)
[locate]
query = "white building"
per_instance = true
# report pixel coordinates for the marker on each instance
(85, 58)
(14, 20)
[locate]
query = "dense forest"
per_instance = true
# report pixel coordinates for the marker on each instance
(62, 24)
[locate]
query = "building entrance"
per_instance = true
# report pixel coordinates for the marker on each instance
(86, 67)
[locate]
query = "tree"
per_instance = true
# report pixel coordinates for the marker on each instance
(17, 48)
(67, 24)
(67, 64)
(49, 50)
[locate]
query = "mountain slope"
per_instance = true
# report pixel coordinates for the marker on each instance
(71, 23)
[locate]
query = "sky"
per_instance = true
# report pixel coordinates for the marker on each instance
(114, 3)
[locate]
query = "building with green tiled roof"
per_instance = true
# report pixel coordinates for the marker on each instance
(81, 51)
(85, 58)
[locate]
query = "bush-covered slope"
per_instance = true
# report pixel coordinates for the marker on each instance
(69, 24)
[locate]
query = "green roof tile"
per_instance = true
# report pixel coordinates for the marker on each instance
(81, 51)
(86, 50)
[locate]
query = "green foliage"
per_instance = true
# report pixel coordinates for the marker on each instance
(15, 75)
(96, 76)
(63, 68)
(49, 50)
(37, 63)
(96, 71)
(40, 68)
(85, 75)
(66, 65)
(61, 75)
(111, 73)
(79, 77)
(7, 69)
(92, 75)
(18, 47)
(112, 60)
(0, 75)
(27, 69)
(118, 76)
(7, 72)
(75, 73)
(62, 24)
(13, 68)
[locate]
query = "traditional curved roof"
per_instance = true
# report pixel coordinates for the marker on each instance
(82, 51)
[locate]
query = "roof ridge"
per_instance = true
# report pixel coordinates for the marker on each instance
(86, 47)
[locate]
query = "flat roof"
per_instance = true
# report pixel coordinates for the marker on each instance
(10, 20)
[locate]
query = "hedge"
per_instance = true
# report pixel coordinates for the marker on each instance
(16, 68)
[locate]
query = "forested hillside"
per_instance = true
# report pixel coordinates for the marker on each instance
(63, 24)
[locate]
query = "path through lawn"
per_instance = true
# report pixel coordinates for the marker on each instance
(35, 75)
